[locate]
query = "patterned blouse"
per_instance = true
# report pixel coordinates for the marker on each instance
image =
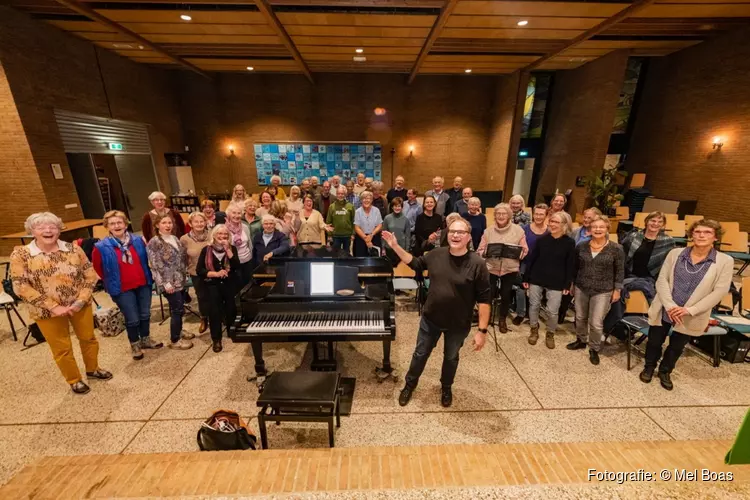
(521, 218)
(168, 262)
(47, 280)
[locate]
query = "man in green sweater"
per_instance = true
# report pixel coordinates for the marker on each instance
(341, 217)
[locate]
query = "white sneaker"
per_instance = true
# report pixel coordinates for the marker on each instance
(181, 344)
(188, 335)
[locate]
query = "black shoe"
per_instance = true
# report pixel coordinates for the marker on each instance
(575, 345)
(593, 357)
(518, 320)
(405, 396)
(100, 374)
(666, 381)
(446, 397)
(80, 388)
(217, 346)
(646, 375)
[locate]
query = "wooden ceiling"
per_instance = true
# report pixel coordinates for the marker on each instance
(309, 36)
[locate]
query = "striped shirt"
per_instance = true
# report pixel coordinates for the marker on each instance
(687, 277)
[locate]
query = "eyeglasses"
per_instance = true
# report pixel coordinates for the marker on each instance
(457, 232)
(709, 232)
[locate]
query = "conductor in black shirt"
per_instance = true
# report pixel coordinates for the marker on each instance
(459, 279)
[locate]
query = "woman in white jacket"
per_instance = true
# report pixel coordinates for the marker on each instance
(691, 282)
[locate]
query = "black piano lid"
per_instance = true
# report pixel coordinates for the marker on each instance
(366, 265)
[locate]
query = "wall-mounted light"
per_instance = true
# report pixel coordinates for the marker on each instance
(231, 149)
(522, 22)
(411, 149)
(185, 17)
(467, 70)
(717, 142)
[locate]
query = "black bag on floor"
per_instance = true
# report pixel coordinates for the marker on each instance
(223, 431)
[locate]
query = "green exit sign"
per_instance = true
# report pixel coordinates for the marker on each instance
(115, 146)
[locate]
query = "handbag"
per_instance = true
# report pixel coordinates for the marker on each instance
(223, 431)
(110, 321)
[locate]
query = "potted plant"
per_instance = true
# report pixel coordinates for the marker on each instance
(601, 189)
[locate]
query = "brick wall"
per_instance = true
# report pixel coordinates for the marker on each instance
(447, 119)
(581, 113)
(20, 181)
(47, 68)
(689, 97)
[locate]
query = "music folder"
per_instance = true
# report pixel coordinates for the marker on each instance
(503, 251)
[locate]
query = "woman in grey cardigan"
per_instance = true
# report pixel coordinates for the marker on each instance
(599, 272)
(167, 258)
(398, 224)
(691, 282)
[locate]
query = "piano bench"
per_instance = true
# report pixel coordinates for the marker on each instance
(299, 397)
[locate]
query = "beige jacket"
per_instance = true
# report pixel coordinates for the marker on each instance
(310, 230)
(512, 234)
(712, 288)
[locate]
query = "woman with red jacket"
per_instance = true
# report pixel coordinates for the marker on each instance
(121, 262)
(159, 202)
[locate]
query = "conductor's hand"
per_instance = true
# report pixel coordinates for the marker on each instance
(389, 238)
(479, 340)
(526, 286)
(267, 256)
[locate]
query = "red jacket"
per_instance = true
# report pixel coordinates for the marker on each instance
(148, 228)
(131, 275)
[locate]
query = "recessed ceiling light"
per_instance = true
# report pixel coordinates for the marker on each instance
(359, 51)
(359, 58)
(523, 23)
(185, 17)
(122, 45)
(250, 68)
(467, 70)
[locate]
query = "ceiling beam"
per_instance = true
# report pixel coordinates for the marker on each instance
(437, 28)
(95, 16)
(599, 28)
(267, 11)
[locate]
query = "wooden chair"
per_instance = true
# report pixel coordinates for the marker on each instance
(185, 217)
(614, 225)
(528, 210)
(675, 228)
(735, 242)
(613, 237)
(490, 212)
(622, 213)
(223, 204)
(403, 271)
(636, 303)
(689, 219)
(100, 232)
(639, 221)
(730, 227)
(745, 296)
(671, 217)
(574, 226)
(579, 218)
(637, 181)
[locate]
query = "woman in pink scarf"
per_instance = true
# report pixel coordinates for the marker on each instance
(239, 236)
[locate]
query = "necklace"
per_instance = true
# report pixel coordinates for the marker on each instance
(591, 244)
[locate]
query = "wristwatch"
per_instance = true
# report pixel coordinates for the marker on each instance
(482, 330)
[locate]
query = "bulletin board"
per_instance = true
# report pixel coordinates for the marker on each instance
(296, 161)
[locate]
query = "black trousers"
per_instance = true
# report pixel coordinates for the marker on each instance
(246, 272)
(222, 308)
(564, 306)
(656, 337)
(202, 294)
(505, 291)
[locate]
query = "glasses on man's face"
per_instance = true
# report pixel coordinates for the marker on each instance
(706, 232)
(457, 232)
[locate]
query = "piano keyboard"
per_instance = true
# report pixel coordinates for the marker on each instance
(317, 322)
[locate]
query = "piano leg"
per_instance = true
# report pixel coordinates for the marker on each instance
(387, 370)
(260, 365)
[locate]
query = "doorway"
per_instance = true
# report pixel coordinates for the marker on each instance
(113, 182)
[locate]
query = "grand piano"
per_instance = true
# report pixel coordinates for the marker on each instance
(289, 300)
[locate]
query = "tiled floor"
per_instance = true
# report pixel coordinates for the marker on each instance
(520, 394)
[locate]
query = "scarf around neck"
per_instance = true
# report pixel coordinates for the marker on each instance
(235, 229)
(124, 246)
(198, 238)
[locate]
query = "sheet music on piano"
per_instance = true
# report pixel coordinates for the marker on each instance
(321, 278)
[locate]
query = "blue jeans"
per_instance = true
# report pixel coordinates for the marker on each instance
(136, 307)
(176, 302)
(427, 339)
(342, 243)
